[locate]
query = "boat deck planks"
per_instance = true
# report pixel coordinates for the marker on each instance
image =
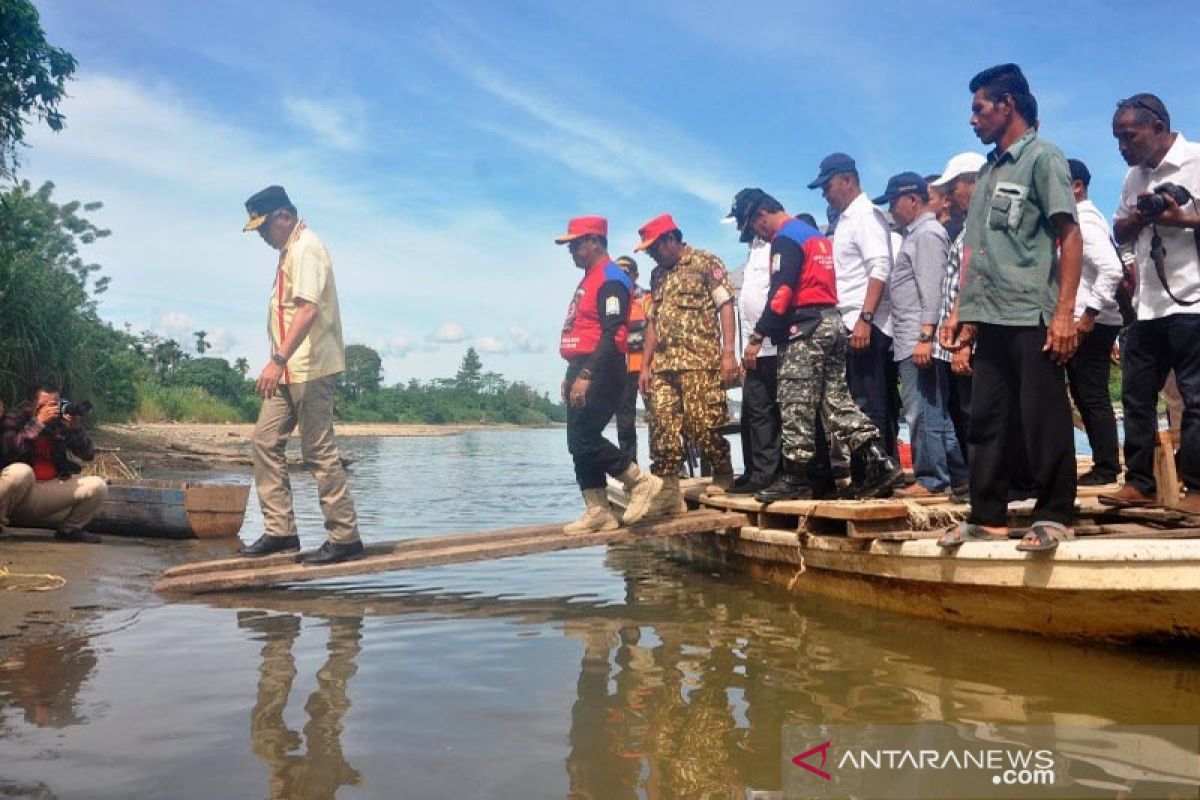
(239, 574)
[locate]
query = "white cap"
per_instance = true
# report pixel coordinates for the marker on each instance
(960, 164)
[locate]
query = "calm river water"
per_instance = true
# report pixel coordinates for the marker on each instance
(597, 673)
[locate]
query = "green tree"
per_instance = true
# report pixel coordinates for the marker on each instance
(202, 345)
(213, 375)
(470, 372)
(242, 366)
(49, 328)
(33, 77)
(364, 372)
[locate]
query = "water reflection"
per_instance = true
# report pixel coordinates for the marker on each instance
(684, 687)
(43, 679)
(313, 767)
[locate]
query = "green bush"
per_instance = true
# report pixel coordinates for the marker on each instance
(183, 404)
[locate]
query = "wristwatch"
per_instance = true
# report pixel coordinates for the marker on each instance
(585, 373)
(924, 337)
(278, 359)
(756, 338)
(867, 317)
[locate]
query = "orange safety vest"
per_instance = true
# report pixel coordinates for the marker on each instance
(636, 338)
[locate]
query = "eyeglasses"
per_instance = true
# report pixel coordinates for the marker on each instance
(1137, 102)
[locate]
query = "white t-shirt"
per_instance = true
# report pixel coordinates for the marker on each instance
(756, 283)
(1181, 165)
(1101, 267)
(862, 249)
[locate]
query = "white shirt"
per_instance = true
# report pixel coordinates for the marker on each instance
(1101, 267)
(1181, 165)
(862, 249)
(756, 283)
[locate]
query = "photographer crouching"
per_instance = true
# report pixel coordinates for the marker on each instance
(43, 486)
(1160, 216)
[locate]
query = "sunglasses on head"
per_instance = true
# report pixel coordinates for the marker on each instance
(1137, 102)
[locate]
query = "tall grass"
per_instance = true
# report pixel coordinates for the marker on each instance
(158, 403)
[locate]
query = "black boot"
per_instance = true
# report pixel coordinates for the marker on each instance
(78, 536)
(880, 473)
(331, 553)
(790, 485)
(267, 545)
(752, 485)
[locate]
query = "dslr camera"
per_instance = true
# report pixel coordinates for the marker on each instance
(1155, 203)
(69, 409)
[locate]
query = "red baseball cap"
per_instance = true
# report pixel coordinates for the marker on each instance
(654, 229)
(584, 226)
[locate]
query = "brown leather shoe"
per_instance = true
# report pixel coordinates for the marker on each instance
(1190, 503)
(1127, 496)
(916, 490)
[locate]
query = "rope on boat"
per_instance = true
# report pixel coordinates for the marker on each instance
(53, 581)
(803, 568)
(932, 518)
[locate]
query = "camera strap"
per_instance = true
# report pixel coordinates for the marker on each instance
(1158, 255)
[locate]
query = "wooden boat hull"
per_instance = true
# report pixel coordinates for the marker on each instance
(1120, 590)
(172, 509)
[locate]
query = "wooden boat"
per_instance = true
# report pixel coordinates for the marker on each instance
(172, 509)
(1129, 574)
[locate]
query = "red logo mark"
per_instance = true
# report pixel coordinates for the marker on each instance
(801, 760)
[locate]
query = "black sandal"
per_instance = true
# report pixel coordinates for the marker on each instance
(1047, 534)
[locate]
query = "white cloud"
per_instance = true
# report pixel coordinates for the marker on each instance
(490, 344)
(523, 341)
(449, 333)
(395, 346)
(336, 124)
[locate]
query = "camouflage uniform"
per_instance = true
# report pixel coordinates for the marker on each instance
(812, 380)
(685, 392)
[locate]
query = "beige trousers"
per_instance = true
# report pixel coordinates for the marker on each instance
(63, 504)
(15, 482)
(309, 406)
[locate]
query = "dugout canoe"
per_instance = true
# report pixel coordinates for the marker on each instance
(172, 509)
(1130, 575)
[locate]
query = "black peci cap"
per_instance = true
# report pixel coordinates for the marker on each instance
(262, 203)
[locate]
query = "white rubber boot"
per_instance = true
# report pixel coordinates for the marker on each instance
(641, 487)
(598, 517)
(668, 502)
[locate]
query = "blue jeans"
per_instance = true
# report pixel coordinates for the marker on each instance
(937, 458)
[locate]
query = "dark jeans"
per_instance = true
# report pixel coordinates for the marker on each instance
(874, 379)
(960, 407)
(761, 451)
(1017, 385)
(1087, 377)
(1152, 349)
(593, 454)
(627, 417)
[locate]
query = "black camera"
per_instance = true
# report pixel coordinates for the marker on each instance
(1155, 203)
(69, 409)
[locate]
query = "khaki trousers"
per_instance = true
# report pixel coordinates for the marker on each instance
(309, 406)
(63, 504)
(15, 482)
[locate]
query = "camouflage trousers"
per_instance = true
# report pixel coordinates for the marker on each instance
(690, 402)
(812, 381)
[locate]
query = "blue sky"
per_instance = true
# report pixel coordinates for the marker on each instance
(439, 147)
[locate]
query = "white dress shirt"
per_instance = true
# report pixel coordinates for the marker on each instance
(756, 283)
(1181, 165)
(1101, 267)
(862, 249)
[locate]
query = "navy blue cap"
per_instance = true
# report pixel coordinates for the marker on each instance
(833, 164)
(263, 203)
(904, 183)
(745, 204)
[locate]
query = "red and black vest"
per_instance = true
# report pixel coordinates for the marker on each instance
(581, 331)
(818, 285)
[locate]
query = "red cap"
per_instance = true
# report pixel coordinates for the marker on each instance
(584, 226)
(654, 229)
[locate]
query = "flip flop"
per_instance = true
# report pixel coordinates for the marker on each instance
(966, 532)
(1048, 535)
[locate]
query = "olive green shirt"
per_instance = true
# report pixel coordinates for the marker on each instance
(1010, 260)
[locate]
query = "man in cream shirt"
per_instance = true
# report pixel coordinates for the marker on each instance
(297, 386)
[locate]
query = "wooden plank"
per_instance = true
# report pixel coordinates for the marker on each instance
(372, 549)
(227, 580)
(873, 528)
(1165, 476)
